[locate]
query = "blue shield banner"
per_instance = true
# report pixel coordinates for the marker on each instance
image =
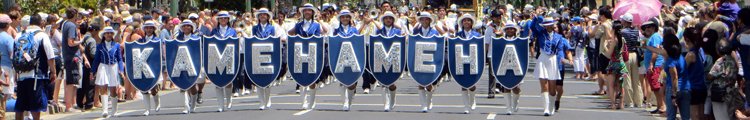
(510, 60)
(305, 59)
(143, 64)
(387, 58)
(466, 60)
(220, 59)
(183, 61)
(426, 58)
(346, 55)
(263, 60)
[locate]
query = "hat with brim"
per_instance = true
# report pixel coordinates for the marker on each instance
(425, 15)
(149, 23)
(344, 13)
(627, 17)
(186, 22)
(264, 11)
(510, 25)
(466, 16)
(107, 30)
(193, 15)
(594, 17)
(651, 22)
(387, 14)
(548, 21)
(308, 6)
(223, 14)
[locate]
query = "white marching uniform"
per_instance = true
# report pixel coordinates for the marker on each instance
(547, 67)
(106, 75)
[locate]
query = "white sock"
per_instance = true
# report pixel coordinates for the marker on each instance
(312, 98)
(510, 105)
(261, 98)
(545, 96)
(157, 100)
(429, 99)
(423, 99)
(267, 96)
(305, 101)
(188, 101)
(393, 98)
(147, 101)
(465, 96)
(220, 98)
(105, 103)
(473, 100)
(386, 99)
(114, 105)
(228, 97)
(515, 101)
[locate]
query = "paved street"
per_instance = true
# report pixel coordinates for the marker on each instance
(577, 104)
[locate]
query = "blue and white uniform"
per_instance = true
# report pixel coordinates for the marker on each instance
(265, 30)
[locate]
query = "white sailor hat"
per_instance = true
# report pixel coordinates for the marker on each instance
(186, 22)
(264, 11)
(107, 29)
(387, 14)
(223, 14)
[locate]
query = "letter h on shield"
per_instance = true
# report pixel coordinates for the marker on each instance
(462, 59)
(300, 57)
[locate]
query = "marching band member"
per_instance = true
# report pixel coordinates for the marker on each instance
(547, 67)
(106, 61)
(467, 32)
(389, 30)
(200, 27)
(223, 31)
(265, 29)
(512, 94)
(425, 29)
(149, 27)
(308, 27)
(346, 29)
(187, 31)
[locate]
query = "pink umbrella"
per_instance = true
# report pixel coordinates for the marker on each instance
(642, 10)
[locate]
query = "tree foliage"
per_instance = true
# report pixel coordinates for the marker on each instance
(54, 6)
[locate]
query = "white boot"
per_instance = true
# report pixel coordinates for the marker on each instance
(467, 106)
(220, 99)
(147, 101)
(188, 101)
(305, 101)
(312, 98)
(351, 98)
(429, 99)
(386, 99)
(473, 100)
(114, 106)
(267, 96)
(423, 100)
(105, 105)
(193, 102)
(552, 104)
(545, 96)
(261, 98)
(515, 102)
(392, 100)
(228, 98)
(157, 100)
(510, 104)
(345, 96)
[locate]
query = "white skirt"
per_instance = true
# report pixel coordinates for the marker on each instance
(546, 67)
(106, 75)
(580, 61)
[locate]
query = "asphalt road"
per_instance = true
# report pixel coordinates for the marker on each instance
(577, 104)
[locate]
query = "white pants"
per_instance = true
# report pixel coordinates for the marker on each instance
(720, 111)
(580, 61)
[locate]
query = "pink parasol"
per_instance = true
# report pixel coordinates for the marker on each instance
(641, 10)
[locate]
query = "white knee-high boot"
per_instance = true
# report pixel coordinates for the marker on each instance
(228, 97)
(262, 98)
(147, 101)
(552, 99)
(345, 96)
(351, 94)
(515, 101)
(510, 104)
(220, 98)
(386, 99)
(429, 99)
(473, 100)
(157, 101)
(114, 106)
(188, 102)
(423, 100)
(305, 102)
(467, 106)
(545, 96)
(312, 98)
(105, 105)
(267, 96)
(193, 100)
(392, 100)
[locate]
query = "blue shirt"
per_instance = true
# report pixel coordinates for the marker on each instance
(562, 47)
(229, 32)
(429, 33)
(6, 48)
(471, 34)
(313, 30)
(654, 41)
(69, 32)
(679, 64)
(695, 71)
(390, 33)
(545, 41)
(345, 31)
(165, 34)
(264, 31)
(105, 55)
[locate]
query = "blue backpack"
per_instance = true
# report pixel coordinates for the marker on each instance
(22, 47)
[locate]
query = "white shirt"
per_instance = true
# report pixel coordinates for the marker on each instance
(388, 30)
(44, 39)
(223, 29)
(425, 30)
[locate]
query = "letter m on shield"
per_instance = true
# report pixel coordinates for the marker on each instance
(220, 62)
